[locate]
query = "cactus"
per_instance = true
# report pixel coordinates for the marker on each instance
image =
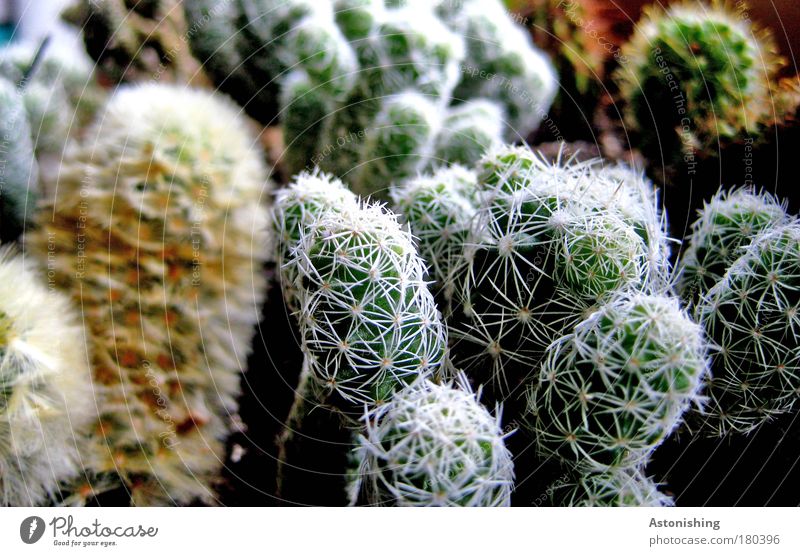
(752, 320)
(143, 40)
(725, 226)
(351, 75)
(434, 445)
(46, 401)
(696, 77)
(369, 323)
(548, 243)
(622, 487)
(610, 392)
(158, 232)
(60, 94)
(439, 210)
(467, 131)
(500, 65)
(19, 172)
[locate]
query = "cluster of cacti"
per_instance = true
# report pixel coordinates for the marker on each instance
(548, 243)
(726, 225)
(696, 77)
(433, 445)
(46, 403)
(19, 171)
(137, 41)
(612, 390)
(752, 317)
(376, 91)
(158, 232)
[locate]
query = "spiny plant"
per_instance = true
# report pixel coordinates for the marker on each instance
(297, 207)
(610, 392)
(159, 233)
(468, 130)
(46, 398)
(548, 243)
(368, 321)
(696, 76)
(726, 225)
(618, 487)
(142, 40)
(19, 171)
(349, 76)
(439, 209)
(752, 318)
(60, 94)
(433, 445)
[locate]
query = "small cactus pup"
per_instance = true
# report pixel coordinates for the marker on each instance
(469, 130)
(726, 225)
(144, 41)
(439, 209)
(548, 243)
(158, 231)
(19, 171)
(46, 395)
(610, 392)
(697, 76)
(752, 319)
(368, 320)
(433, 445)
(618, 487)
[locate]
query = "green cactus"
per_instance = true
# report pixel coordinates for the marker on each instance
(46, 395)
(158, 232)
(19, 171)
(439, 210)
(752, 318)
(467, 131)
(349, 75)
(368, 321)
(696, 77)
(610, 392)
(725, 227)
(548, 243)
(620, 487)
(433, 445)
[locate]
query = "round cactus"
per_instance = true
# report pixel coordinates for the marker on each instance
(159, 233)
(696, 76)
(19, 171)
(46, 398)
(439, 210)
(467, 131)
(752, 318)
(368, 321)
(726, 225)
(434, 445)
(610, 392)
(621, 487)
(548, 243)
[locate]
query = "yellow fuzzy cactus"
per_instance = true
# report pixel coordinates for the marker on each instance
(158, 230)
(46, 403)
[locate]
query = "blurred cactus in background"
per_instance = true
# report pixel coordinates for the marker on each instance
(46, 393)
(19, 171)
(158, 232)
(619, 487)
(372, 92)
